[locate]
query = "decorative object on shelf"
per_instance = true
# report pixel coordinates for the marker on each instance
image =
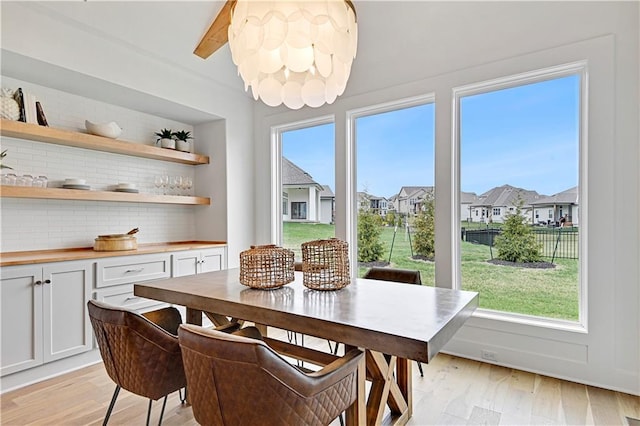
(2, 165)
(266, 267)
(74, 183)
(325, 264)
(127, 187)
(42, 119)
(107, 130)
(182, 140)
(9, 106)
(116, 242)
(165, 137)
(296, 53)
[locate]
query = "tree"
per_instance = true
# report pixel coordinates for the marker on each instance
(424, 227)
(369, 246)
(517, 242)
(390, 218)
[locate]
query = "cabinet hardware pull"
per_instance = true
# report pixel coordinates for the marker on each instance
(47, 281)
(129, 271)
(131, 298)
(37, 282)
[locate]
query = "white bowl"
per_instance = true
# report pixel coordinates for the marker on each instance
(108, 130)
(74, 181)
(126, 186)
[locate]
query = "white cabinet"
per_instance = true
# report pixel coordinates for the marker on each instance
(116, 276)
(193, 262)
(44, 313)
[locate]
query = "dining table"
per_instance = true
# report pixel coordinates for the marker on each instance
(391, 322)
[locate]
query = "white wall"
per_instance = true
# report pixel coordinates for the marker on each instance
(457, 43)
(50, 50)
(29, 224)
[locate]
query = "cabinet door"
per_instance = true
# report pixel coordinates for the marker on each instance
(21, 318)
(212, 260)
(66, 324)
(186, 263)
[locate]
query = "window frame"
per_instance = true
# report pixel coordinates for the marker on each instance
(351, 181)
(579, 68)
(275, 133)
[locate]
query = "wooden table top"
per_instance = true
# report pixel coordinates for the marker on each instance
(84, 253)
(406, 320)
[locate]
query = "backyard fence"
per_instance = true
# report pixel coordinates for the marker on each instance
(557, 243)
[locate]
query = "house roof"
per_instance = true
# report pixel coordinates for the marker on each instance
(569, 196)
(326, 192)
(468, 197)
(506, 195)
(294, 175)
(414, 191)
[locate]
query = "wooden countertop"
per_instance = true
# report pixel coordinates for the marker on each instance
(83, 253)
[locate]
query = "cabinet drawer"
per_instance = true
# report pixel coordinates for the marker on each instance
(132, 269)
(123, 297)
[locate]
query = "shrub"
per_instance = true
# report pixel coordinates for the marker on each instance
(369, 246)
(516, 242)
(424, 227)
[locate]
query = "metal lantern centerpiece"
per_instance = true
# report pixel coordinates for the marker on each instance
(325, 264)
(296, 52)
(266, 267)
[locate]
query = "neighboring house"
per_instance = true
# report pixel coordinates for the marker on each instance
(410, 198)
(327, 205)
(549, 210)
(392, 203)
(467, 200)
(495, 204)
(301, 195)
(378, 205)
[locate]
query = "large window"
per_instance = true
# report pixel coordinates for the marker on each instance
(519, 146)
(307, 163)
(395, 187)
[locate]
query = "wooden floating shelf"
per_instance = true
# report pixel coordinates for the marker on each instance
(76, 194)
(34, 132)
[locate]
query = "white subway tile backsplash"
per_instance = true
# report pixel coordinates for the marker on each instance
(31, 224)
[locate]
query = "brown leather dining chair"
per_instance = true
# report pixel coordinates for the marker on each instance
(235, 380)
(139, 355)
(406, 276)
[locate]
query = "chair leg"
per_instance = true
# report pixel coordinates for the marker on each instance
(113, 402)
(149, 412)
(183, 400)
(341, 419)
(164, 404)
(420, 369)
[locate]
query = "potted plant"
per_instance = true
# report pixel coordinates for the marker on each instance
(182, 140)
(165, 137)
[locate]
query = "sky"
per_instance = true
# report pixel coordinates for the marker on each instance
(526, 137)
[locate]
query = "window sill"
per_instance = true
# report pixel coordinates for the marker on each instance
(548, 323)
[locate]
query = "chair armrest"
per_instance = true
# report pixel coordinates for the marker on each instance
(310, 384)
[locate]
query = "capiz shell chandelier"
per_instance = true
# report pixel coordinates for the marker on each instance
(294, 52)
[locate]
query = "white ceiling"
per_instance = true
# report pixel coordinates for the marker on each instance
(166, 30)
(399, 41)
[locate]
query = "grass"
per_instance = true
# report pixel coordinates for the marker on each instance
(550, 293)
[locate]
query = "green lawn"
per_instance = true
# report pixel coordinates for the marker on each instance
(551, 293)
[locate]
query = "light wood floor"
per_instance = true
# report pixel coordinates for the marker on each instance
(453, 391)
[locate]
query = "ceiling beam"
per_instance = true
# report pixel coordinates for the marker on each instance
(217, 34)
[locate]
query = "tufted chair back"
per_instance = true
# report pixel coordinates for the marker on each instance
(138, 355)
(234, 380)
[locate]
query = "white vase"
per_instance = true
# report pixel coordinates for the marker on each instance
(9, 108)
(184, 146)
(168, 143)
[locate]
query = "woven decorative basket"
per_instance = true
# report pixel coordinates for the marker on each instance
(325, 264)
(266, 267)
